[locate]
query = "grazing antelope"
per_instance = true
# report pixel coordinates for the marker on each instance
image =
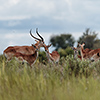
(52, 57)
(29, 58)
(91, 54)
(11, 50)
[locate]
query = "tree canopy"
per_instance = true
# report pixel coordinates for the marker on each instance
(62, 41)
(90, 38)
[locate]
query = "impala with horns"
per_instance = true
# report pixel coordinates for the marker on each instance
(52, 57)
(11, 50)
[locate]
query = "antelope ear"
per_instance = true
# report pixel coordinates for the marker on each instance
(78, 44)
(49, 45)
(83, 44)
(36, 40)
(33, 45)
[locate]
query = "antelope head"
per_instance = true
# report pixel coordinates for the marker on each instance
(81, 45)
(46, 47)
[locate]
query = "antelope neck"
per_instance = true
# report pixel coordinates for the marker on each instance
(82, 51)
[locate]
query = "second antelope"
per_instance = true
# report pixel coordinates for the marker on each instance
(77, 49)
(92, 54)
(52, 57)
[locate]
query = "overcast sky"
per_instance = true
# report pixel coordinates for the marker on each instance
(51, 17)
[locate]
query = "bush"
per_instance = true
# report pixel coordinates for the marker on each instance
(65, 52)
(42, 57)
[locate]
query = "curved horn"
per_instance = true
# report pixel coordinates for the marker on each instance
(39, 34)
(34, 36)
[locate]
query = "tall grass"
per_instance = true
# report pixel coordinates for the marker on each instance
(69, 80)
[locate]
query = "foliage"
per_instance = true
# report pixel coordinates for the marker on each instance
(70, 79)
(90, 39)
(62, 41)
(65, 52)
(42, 57)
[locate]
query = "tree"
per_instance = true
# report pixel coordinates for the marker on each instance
(62, 41)
(90, 38)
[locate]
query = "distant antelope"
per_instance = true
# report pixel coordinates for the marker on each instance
(76, 53)
(11, 50)
(52, 57)
(92, 54)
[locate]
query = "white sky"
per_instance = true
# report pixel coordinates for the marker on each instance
(52, 17)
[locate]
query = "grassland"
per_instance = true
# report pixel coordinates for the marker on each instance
(69, 80)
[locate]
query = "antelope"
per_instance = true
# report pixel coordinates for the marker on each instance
(92, 54)
(29, 58)
(76, 53)
(24, 50)
(52, 57)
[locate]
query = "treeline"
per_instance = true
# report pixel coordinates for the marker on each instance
(63, 42)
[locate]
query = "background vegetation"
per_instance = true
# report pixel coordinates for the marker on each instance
(71, 79)
(67, 40)
(90, 38)
(63, 42)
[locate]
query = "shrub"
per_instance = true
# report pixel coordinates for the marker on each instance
(65, 52)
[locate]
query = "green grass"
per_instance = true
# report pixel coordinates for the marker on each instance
(69, 80)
